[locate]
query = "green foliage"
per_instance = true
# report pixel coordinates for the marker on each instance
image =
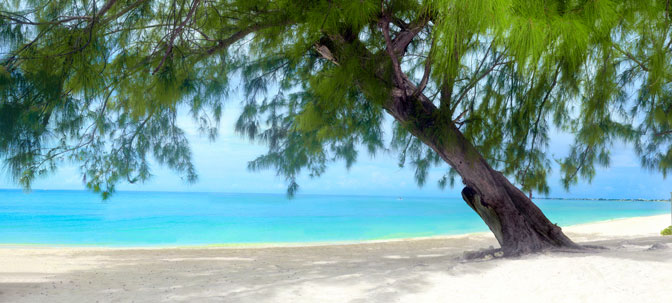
(100, 83)
(667, 231)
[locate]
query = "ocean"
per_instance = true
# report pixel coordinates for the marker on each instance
(172, 218)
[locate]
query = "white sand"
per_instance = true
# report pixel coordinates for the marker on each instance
(415, 270)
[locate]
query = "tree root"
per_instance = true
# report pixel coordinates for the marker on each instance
(496, 253)
(594, 247)
(484, 254)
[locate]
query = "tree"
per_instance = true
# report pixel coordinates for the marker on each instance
(477, 85)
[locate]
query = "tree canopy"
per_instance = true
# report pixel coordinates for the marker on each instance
(100, 83)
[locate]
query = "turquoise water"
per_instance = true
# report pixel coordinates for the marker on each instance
(160, 218)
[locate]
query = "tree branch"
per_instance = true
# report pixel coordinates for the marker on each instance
(425, 77)
(404, 38)
(385, 27)
(631, 57)
(105, 8)
(474, 81)
(175, 33)
(224, 43)
(588, 149)
(536, 123)
(124, 11)
(56, 21)
(667, 132)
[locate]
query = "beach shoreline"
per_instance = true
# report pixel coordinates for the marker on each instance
(293, 244)
(636, 264)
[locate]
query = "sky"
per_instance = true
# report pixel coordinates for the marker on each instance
(222, 167)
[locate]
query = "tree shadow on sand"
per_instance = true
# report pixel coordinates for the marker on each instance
(374, 272)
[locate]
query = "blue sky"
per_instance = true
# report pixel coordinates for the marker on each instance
(222, 167)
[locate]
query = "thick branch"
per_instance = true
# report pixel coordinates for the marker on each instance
(385, 27)
(106, 7)
(397, 47)
(404, 38)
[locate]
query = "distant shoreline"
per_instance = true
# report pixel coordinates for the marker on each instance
(604, 199)
(315, 194)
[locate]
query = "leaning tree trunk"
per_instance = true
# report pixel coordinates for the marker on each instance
(518, 224)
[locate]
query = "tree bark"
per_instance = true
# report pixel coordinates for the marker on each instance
(518, 224)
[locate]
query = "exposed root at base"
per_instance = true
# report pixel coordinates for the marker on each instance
(580, 249)
(485, 254)
(595, 247)
(494, 253)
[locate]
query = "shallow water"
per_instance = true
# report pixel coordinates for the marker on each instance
(164, 218)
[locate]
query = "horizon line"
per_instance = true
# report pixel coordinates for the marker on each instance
(326, 194)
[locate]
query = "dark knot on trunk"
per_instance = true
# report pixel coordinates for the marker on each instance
(468, 193)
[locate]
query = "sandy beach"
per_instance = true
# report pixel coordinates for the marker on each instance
(636, 266)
